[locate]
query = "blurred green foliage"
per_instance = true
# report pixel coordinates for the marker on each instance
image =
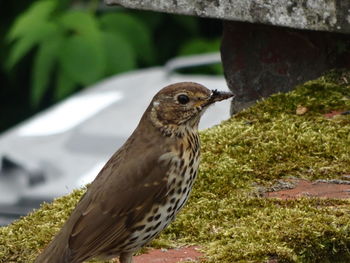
(75, 45)
(55, 47)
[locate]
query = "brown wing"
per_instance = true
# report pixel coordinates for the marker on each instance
(127, 187)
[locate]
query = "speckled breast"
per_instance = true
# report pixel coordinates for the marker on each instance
(184, 166)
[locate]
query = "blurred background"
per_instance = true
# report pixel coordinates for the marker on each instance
(87, 72)
(53, 48)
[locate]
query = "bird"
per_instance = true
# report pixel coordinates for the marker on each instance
(143, 185)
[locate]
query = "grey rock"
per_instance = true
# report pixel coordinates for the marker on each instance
(324, 15)
(332, 181)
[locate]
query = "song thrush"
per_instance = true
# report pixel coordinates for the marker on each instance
(143, 186)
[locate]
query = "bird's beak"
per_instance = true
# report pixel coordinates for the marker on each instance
(220, 95)
(217, 96)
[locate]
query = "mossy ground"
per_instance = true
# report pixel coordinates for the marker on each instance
(226, 215)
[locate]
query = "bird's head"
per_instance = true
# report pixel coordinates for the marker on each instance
(182, 104)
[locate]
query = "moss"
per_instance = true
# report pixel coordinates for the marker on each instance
(225, 214)
(22, 240)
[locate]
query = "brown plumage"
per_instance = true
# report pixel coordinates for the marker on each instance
(142, 187)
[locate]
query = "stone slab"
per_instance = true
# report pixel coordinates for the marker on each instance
(323, 15)
(260, 60)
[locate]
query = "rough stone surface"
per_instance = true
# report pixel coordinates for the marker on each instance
(325, 15)
(260, 60)
(184, 254)
(320, 189)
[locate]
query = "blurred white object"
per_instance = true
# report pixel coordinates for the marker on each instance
(68, 114)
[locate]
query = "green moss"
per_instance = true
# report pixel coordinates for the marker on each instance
(22, 240)
(226, 215)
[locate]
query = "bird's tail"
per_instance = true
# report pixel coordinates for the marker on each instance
(56, 252)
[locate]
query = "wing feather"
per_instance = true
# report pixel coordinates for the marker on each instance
(124, 191)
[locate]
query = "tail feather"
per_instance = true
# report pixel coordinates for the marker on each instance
(54, 258)
(56, 252)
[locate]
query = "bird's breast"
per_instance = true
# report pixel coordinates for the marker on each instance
(183, 162)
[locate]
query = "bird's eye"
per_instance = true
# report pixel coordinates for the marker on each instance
(183, 99)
